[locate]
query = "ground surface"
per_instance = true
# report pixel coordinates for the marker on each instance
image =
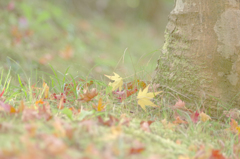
(56, 102)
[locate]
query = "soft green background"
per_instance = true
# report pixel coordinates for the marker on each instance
(122, 36)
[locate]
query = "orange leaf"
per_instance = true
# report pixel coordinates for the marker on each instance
(99, 107)
(136, 150)
(12, 110)
(39, 102)
(88, 96)
(216, 155)
(129, 93)
(179, 121)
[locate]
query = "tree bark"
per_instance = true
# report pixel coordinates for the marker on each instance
(200, 60)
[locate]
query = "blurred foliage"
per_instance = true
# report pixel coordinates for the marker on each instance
(149, 10)
(88, 36)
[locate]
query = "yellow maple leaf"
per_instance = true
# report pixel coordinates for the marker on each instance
(144, 98)
(118, 82)
(204, 117)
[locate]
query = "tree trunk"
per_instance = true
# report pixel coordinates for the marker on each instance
(200, 60)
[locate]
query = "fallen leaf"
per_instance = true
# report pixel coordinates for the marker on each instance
(134, 151)
(118, 82)
(178, 120)
(216, 155)
(39, 102)
(12, 110)
(204, 117)
(111, 122)
(144, 98)
(180, 105)
(234, 126)
(99, 107)
(46, 90)
(194, 117)
(145, 125)
(168, 125)
(88, 96)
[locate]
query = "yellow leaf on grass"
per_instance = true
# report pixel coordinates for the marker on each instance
(46, 90)
(118, 82)
(99, 107)
(144, 98)
(204, 117)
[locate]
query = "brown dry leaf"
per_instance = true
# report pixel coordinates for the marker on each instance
(204, 117)
(178, 120)
(180, 105)
(145, 125)
(168, 125)
(67, 52)
(137, 148)
(99, 107)
(88, 96)
(111, 122)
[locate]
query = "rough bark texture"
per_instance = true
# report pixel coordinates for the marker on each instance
(200, 60)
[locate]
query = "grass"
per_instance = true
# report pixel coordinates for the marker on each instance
(69, 133)
(34, 124)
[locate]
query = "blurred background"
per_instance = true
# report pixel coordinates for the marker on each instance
(81, 37)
